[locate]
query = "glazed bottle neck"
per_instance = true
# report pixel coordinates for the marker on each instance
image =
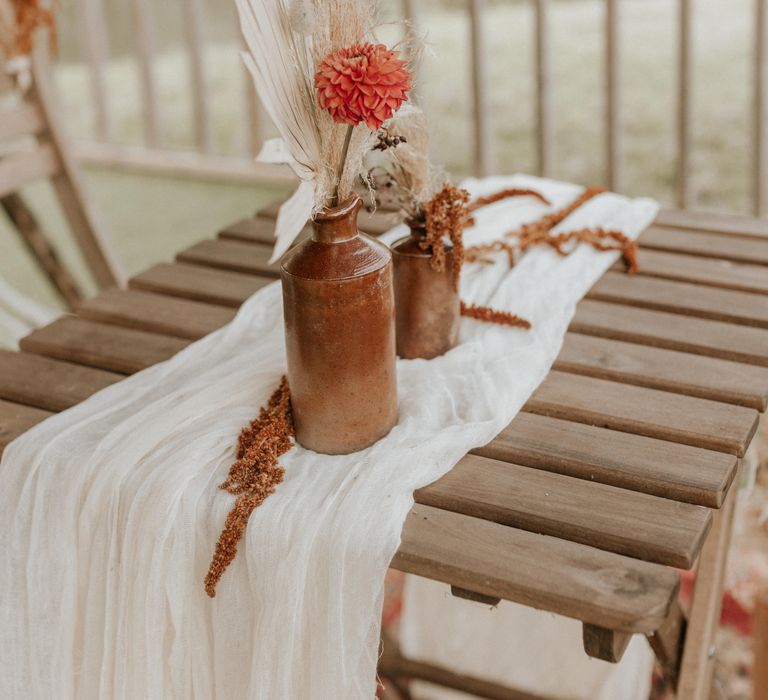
(418, 229)
(337, 224)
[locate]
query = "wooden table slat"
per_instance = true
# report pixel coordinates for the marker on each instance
(583, 399)
(609, 518)
(649, 465)
(237, 256)
(706, 271)
(733, 224)
(112, 348)
(634, 364)
(566, 577)
(709, 245)
(672, 331)
(49, 384)
(635, 409)
(642, 464)
(682, 298)
(156, 313)
(579, 581)
(542, 572)
(679, 372)
(537, 500)
(259, 229)
(16, 419)
(199, 283)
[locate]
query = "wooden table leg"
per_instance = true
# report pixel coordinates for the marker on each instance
(668, 642)
(607, 645)
(696, 670)
(400, 670)
(760, 646)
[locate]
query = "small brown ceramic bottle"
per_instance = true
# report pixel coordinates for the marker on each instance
(338, 304)
(427, 307)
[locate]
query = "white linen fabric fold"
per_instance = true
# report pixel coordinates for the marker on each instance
(109, 511)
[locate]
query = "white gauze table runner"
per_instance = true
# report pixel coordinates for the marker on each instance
(110, 510)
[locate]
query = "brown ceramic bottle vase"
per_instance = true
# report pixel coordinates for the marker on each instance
(339, 312)
(427, 307)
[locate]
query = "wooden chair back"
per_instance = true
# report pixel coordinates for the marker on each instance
(33, 146)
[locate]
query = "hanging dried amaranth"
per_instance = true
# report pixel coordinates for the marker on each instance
(253, 476)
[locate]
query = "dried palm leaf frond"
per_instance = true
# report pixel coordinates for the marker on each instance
(286, 39)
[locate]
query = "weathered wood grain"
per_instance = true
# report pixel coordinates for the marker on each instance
(464, 594)
(672, 331)
(542, 572)
(604, 644)
(156, 313)
(643, 411)
(112, 348)
(231, 255)
(697, 665)
(723, 246)
(609, 518)
(16, 419)
(735, 225)
(668, 642)
(706, 271)
(397, 669)
(634, 462)
(732, 382)
(258, 229)
(48, 384)
(679, 372)
(682, 298)
(199, 283)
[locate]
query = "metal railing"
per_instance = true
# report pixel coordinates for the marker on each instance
(204, 160)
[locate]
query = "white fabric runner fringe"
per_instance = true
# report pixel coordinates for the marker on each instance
(109, 511)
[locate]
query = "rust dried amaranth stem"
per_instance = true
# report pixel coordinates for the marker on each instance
(253, 476)
(539, 233)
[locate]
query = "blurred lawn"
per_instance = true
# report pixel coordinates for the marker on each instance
(147, 218)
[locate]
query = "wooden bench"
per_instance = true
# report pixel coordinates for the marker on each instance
(617, 471)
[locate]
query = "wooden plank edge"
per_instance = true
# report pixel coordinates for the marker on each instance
(631, 576)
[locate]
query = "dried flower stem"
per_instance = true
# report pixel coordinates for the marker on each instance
(342, 161)
(489, 315)
(446, 214)
(539, 233)
(505, 194)
(253, 476)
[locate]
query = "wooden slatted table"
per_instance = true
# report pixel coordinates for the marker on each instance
(618, 468)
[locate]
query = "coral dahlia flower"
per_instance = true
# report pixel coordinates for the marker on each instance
(362, 83)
